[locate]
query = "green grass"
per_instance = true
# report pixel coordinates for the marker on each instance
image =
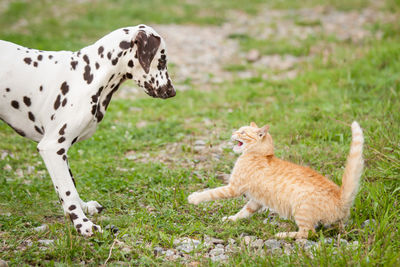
(309, 118)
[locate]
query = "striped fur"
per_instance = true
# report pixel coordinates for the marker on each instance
(293, 191)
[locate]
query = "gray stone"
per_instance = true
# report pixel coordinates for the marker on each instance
(158, 250)
(253, 55)
(42, 228)
(3, 263)
(186, 244)
(46, 242)
(368, 223)
(216, 251)
(248, 239)
(221, 257)
(112, 228)
(168, 253)
(273, 244)
(258, 243)
(199, 143)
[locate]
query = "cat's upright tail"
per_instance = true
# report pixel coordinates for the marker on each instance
(353, 169)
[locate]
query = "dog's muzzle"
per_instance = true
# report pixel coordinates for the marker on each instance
(165, 91)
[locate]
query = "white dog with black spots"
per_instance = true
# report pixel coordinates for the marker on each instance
(58, 98)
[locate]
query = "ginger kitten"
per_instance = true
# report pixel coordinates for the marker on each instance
(291, 190)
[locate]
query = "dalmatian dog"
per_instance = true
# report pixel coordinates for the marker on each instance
(58, 98)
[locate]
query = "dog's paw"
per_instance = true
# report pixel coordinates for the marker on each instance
(87, 228)
(92, 207)
(230, 218)
(194, 198)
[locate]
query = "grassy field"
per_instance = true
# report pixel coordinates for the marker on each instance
(143, 172)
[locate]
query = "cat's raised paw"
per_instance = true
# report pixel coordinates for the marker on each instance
(194, 198)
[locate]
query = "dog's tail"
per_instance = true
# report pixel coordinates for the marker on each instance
(353, 169)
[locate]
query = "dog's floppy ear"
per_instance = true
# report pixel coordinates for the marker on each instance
(147, 46)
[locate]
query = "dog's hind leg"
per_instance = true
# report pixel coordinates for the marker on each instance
(54, 155)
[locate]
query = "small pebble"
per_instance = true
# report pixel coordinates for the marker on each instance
(46, 242)
(42, 228)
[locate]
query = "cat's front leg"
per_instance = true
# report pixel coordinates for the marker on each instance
(213, 194)
(248, 210)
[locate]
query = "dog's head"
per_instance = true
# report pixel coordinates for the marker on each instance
(150, 63)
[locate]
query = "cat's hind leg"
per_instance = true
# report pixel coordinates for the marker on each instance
(248, 210)
(305, 225)
(227, 191)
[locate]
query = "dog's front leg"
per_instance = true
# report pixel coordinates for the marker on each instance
(54, 155)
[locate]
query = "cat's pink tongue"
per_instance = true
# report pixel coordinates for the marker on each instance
(240, 143)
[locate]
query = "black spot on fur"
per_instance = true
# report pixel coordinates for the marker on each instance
(94, 107)
(99, 209)
(130, 63)
(85, 219)
(15, 104)
(64, 157)
(100, 50)
(86, 59)
(41, 88)
(97, 65)
(94, 227)
(112, 76)
(28, 60)
(99, 114)
(31, 116)
(125, 45)
(162, 51)
(72, 207)
(64, 88)
(87, 76)
(61, 139)
(57, 102)
(95, 98)
(64, 102)
(73, 141)
(7, 89)
(141, 27)
(40, 57)
(114, 61)
(27, 101)
(109, 55)
(78, 226)
(50, 56)
(61, 151)
(73, 64)
(68, 193)
(62, 130)
(21, 133)
(52, 117)
(35, 64)
(38, 130)
(73, 216)
(126, 31)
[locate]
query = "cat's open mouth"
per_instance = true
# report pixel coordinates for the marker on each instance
(239, 143)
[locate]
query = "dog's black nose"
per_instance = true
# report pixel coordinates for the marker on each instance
(172, 92)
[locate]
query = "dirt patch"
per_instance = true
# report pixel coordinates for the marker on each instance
(198, 55)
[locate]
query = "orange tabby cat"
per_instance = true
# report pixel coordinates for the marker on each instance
(291, 190)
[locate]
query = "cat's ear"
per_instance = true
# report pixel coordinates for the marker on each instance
(263, 131)
(253, 124)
